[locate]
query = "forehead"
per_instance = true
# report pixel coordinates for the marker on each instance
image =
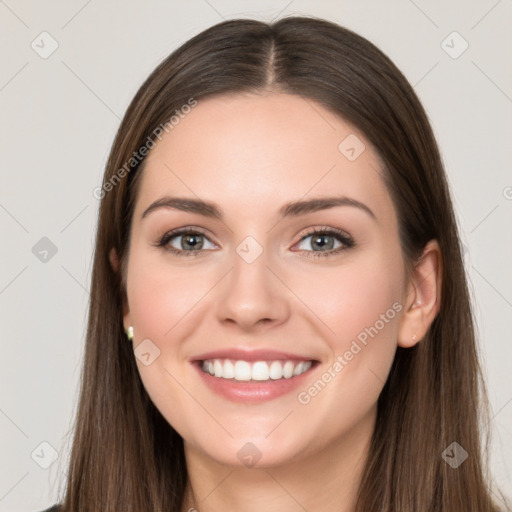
(248, 152)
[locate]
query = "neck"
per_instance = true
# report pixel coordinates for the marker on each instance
(327, 480)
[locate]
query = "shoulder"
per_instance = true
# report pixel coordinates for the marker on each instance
(54, 508)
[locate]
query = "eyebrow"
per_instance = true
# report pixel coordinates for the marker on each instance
(291, 209)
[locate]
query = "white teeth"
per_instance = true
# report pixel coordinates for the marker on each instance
(288, 369)
(242, 370)
(258, 370)
(276, 370)
(217, 368)
(228, 370)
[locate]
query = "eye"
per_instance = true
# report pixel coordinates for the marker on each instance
(192, 241)
(322, 238)
(191, 244)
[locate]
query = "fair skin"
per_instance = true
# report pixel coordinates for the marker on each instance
(250, 154)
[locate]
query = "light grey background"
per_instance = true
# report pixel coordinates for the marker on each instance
(59, 115)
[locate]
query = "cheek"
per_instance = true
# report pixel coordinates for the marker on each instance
(360, 305)
(164, 302)
(160, 297)
(159, 301)
(353, 297)
(359, 302)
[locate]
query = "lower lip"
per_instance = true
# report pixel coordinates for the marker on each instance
(252, 391)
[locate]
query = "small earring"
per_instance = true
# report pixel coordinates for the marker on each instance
(129, 333)
(414, 337)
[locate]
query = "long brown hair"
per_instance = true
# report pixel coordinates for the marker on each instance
(124, 454)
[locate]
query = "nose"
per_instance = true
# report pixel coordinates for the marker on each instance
(252, 295)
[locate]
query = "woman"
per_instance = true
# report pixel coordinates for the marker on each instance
(317, 350)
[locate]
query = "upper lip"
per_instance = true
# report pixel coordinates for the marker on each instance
(251, 355)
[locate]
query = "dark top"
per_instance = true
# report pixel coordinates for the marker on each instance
(54, 508)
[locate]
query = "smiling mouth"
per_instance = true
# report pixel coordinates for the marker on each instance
(260, 371)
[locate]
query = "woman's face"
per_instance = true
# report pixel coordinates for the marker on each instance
(255, 292)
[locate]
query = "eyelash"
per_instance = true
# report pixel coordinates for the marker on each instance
(342, 236)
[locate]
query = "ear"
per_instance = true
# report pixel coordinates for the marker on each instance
(422, 299)
(114, 262)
